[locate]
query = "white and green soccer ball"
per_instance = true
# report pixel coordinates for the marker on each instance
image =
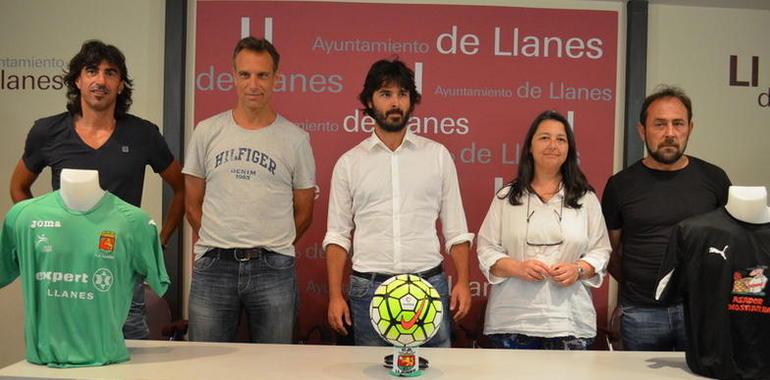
(406, 310)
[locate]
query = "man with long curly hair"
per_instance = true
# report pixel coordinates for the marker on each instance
(97, 133)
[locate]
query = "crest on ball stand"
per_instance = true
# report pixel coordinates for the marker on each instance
(406, 311)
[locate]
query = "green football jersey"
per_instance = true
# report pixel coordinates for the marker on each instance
(78, 271)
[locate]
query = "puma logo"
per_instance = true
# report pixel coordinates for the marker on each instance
(718, 252)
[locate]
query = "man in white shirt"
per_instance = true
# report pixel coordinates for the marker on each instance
(391, 189)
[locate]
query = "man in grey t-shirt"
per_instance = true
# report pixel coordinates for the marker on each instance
(250, 180)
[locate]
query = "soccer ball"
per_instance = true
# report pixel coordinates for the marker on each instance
(406, 310)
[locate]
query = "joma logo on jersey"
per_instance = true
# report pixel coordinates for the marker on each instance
(107, 241)
(45, 223)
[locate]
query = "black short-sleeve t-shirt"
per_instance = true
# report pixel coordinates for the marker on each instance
(646, 203)
(134, 144)
(720, 266)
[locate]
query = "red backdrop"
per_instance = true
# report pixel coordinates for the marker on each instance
(484, 73)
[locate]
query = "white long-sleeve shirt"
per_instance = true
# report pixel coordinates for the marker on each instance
(392, 199)
(543, 308)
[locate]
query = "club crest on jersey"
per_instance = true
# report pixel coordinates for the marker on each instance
(107, 241)
(753, 283)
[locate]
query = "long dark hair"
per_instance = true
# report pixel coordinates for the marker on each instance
(575, 182)
(91, 54)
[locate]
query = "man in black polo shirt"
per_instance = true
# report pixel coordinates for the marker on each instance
(97, 133)
(642, 203)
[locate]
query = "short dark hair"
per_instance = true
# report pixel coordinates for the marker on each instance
(91, 54)
(258, 45)
(666, 91)
(385, 72)
(575, 182)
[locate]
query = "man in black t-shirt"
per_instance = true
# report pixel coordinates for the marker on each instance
(97, 133)
(642, 203)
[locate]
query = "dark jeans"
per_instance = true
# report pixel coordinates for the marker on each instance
(646, 328)
(222, 287)
(526, 342)
(136, 326)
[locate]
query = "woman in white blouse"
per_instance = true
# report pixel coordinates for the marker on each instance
(543, 245)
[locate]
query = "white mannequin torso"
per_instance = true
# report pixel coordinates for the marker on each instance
(80, 189)
(748, 204)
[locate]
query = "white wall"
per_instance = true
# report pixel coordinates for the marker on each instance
(691, 47)
(56, 29)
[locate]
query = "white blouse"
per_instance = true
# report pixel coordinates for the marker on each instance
(542, 308)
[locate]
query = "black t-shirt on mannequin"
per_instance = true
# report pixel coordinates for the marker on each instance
(719, 264)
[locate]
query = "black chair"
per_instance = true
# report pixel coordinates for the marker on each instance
(162, 327)
(612, 331)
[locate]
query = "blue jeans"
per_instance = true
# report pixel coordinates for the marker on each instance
(360, 297)
(136, 326)
(645, 328)
(526, 342)
(222, 288)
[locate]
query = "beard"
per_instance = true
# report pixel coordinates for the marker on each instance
(383, 119)
(667, 156)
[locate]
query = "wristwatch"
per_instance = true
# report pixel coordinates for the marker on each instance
(580, 271)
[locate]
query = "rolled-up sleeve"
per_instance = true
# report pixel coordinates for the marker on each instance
(340, 218)
(452, 215)
(598, 251)
(489, 246)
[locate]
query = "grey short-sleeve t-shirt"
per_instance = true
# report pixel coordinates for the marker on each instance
(250, 176)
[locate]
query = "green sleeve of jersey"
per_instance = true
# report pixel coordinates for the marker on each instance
(150, 261)
(9, 258)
